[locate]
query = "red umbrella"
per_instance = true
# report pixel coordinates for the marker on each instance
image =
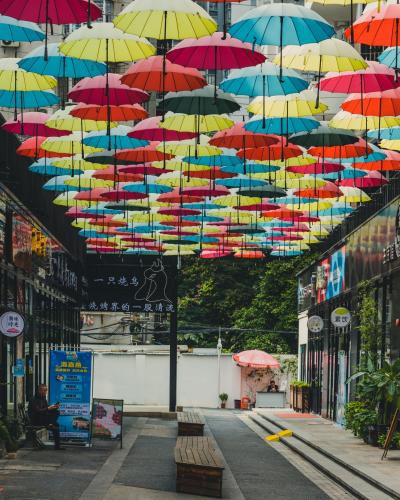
(176, 196)
(248, 254)
(376, 77)
(118, 173)
(391, 162)
(282, 212)
(215, 52)
(120, 195)
(371, 180)
(145, 154)
(212, 173)
(258, 207)
(329, 190)
(214, 254)
(237, 137)
(150, 130)
(51, 12)
(122, 113)
(144, 169)
(277, 152)
(180, 223)
(155, 75)
(32, 148)
(207, 191)
(178, 211)
(316, 168)
(359, 148)
(94, 194)
(386, 103)
(256, 359)
(94, 91)
(32, 123)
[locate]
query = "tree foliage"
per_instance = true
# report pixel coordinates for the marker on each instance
(259, 297)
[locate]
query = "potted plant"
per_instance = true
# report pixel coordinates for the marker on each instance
(299, 392)
(223, 398)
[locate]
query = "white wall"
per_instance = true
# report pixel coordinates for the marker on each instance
(303, 336)
(144, 378)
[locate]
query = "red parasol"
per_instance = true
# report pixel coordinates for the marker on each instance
(271, 153)
(32, 123)
(144, 154)
(121, 113)
(237, 137)
(359, 148)
(391, 162)
(386, 103)
(150, 130)
(256, 359)
(118, 173)
(32, 148)
(371, 180)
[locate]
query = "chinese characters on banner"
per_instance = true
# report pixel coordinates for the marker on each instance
(22, 243)
(70, 376)
(125, 288)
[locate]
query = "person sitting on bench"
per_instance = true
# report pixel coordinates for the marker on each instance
(41, 414)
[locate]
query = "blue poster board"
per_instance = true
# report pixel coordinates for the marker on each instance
(70, 380)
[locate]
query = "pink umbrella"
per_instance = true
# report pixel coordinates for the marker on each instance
(371, 180)
(376, 77)
(316, 168)
(150, 130)
(214, 254)
(177, 210)
(176, 196)
(215, 52)
(256, 359)
(208, 190)
(141, 168)
(32, 123)
(106, 90)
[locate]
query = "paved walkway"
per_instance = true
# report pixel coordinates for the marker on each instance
(342, 444)
(145, 470)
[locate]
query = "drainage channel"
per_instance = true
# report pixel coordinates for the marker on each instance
(355, 482)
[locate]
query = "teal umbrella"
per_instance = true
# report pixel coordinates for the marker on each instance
(14, 30)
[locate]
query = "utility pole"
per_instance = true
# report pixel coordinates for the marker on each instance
(219, 351)
(173, 344)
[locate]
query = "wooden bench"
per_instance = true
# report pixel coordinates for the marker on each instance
(32, 432)
(198, 466)
(190, 423)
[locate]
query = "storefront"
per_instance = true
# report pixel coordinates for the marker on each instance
(42, 282)
(367, 258)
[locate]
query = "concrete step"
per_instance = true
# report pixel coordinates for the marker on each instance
(353, 483)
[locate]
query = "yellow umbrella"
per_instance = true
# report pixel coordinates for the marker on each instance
(176, 179)
(196, 123)
(293, 105)
(233, 200)
(312, 206)
(393, 144)
(67, 144)
(62, 120)
(305, 182)
(165, 19)
(276, 176)
(348, 121)
(77, 163)
(104, 42)
(190, 147)
(179, 165)
(353, 195)
(291, 162)
(13, 78)
(67, 200)
(87, 181)
(329, 55)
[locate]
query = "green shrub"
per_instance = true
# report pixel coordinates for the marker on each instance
(358, 417)
(300, 383)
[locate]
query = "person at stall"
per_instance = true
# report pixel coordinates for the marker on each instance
(272, 387)
(43, 414)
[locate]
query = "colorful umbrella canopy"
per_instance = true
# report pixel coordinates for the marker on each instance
(63, 120)
(204, 101)
(199, 124)
(32, 123)
(280, 126)
(32, 148)
(349, 121)
(14, 79)
(13, 30)
(117, 138)
(104, 42)
(385, 103)
(151, 130)
(238, 137)
(255, 359)
(155, 75)
(263, 80)
(324, 136)
(165, 19)
(293, 105)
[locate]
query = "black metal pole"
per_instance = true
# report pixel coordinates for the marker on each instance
(173, 345)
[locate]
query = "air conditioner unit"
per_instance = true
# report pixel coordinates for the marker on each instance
(6, 43)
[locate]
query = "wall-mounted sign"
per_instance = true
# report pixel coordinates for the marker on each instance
(18, 370)
(11, 324)
(22, 243)
(315, 324)
(340, 317)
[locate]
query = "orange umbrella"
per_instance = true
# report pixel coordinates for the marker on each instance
(329, 190)
(143, 155)
(386, 103)
(122, 113)
(278, 152)
(32, 148)
(359, 148)
(237, 137)
(391, 162)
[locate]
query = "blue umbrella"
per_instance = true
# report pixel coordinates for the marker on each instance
(213, 161)
(146, 228)
(115, 138)
(138, 187)
(102, 210)
(202, 206)
(281, 126)
(281, 24)
(240, 182)
(202, 218)
(91, 233)
(202, 239)
(389, 57)
(339, 209)
(59, 65)
(14, 30)
(43, 169)
(250, 168)
(286, 253)
(263, 80)
(347, 173)
(392, 133)
(27, 99)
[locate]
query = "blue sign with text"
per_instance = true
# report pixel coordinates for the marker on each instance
(70, 385)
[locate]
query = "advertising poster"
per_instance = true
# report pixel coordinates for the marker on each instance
(107, 418)
(21, 243)
(3, 208)
(322, 280)
(336, 277)
(70, 379)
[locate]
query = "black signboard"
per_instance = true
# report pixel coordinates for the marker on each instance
(121, 287)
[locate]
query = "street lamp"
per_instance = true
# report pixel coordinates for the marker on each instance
(219, 351)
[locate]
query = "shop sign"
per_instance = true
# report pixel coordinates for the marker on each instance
(11, 324)
(315, 324)
(18, 369)
(22, 243)
(70, 376)
(340, 317)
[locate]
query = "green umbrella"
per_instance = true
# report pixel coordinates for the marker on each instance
(267, 191)
(324, 137)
